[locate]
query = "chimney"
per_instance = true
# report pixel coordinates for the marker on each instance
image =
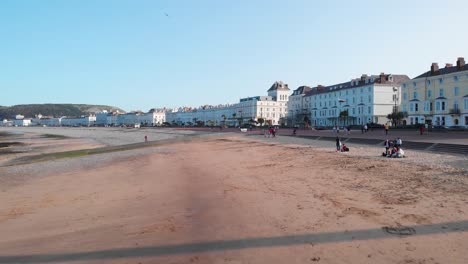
(448, 65)
(460, 63)
(382, 77)
(434, 68)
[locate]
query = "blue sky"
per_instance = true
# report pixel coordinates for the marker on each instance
(132, 55)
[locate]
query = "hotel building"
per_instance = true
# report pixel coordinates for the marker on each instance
(438, 96)
(271, 108)
(368, 99)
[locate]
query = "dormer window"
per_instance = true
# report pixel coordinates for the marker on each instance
(455, 78)
(414, 84)
(441, 80)
(428, 82)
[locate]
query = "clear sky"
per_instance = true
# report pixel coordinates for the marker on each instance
(139, 55)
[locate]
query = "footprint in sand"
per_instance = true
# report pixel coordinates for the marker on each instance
(418, 219)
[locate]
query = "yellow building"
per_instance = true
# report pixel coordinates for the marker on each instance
(438, 97)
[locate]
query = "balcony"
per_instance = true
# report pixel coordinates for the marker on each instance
(454, 111)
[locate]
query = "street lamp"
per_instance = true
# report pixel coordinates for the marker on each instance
(395, 100)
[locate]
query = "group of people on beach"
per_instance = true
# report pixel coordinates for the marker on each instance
(340, 146)
(393, 148)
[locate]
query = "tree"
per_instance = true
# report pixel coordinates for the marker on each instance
(261, 120)
(396, 117)
(344, 115)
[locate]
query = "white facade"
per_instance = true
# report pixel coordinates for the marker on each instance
(6, 122)
(368, 99)
(128, 119)
(22, 122)
(78, 121)
(52, 121)
(270, 108)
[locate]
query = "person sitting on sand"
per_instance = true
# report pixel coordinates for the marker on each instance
(393, 152)
(400, 153)
(344, 148)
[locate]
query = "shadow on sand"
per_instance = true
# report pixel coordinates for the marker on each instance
(221, 245)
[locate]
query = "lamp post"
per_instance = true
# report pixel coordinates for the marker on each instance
(395, 100)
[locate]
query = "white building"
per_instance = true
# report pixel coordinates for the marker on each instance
(50, 121)
(78, 121)
(298, 110)
(271, 109)
(22, 122)
(7, 122)
(128, 119)
(368, 99)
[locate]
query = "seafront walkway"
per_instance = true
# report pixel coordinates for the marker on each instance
(455, 142)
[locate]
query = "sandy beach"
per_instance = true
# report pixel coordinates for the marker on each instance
(233, 199)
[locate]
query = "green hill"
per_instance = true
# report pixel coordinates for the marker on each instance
(56, 110)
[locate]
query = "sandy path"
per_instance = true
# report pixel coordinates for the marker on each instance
(259, 203)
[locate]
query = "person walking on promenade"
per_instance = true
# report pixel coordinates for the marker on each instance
(426, 126)
(146, 138)
(362, 129)
(366, 128)
(421, 129)
(386, 128)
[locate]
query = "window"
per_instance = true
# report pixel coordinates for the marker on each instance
(369, 109)
(404, 85)
(362, 90)
(456, 91)
(369, 98)
(416, 107)
(411, 107)
(368, 89)
(405, 96)
(429, 93)
(466, 103)
(441, 92)
(426, 106)
(441, 80)
(455, 78)
(438, 106)
(443, 106)
(428, 82)
(414, 84)
(404, 108)
(415, 95)
(455, 105)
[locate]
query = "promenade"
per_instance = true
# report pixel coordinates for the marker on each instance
(453, 142)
